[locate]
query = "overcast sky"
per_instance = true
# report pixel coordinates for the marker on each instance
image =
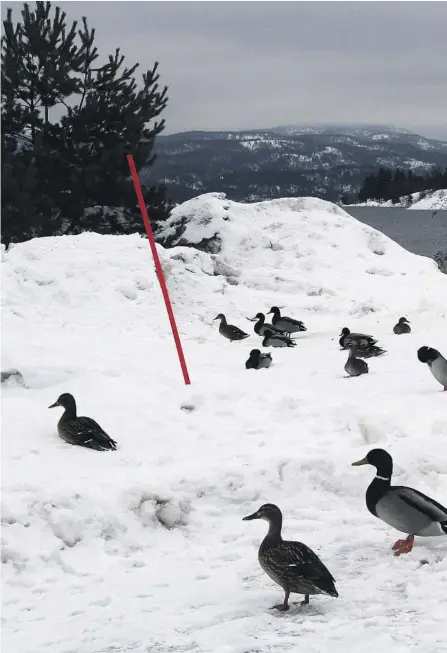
(232, 65)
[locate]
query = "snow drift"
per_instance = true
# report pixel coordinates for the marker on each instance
(143, 549)
(435, 200)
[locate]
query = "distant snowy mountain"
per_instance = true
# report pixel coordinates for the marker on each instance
(325, 161)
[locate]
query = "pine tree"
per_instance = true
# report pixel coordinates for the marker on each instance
(69, 173)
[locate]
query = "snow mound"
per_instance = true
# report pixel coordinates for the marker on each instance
(310, 248)
(434, 201)
(420, 201)
(144, 548)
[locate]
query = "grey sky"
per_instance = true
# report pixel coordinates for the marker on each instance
(233, 65)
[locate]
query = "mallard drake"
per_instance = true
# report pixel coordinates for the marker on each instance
(436, 362)
(403, 326)
(292, 565)
(82, 431)
(277, 340)
(366, 345)
(405, 509)
(228, 330)
(256, 360)
(261, 325)
(355, 366)
(286, 324)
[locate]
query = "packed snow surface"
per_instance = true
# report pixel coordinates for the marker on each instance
(144, 549)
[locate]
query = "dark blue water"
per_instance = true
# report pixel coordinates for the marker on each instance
(420, 232)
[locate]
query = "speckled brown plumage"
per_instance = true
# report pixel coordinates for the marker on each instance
(292, 565)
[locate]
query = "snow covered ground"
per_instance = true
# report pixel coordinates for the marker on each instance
(426, 201)
(144, 549)
(433, 201)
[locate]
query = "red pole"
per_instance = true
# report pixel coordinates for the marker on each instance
(160, 275)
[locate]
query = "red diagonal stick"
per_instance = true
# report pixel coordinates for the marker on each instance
(160, 275)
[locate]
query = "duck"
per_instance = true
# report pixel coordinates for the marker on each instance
(403, 326)
(405, 509)
(286, 324)
(228, 330)
(436, 362)
(257, 361)
(261, 325)
(277, 340)
(355, 366)
(292, 565)
(366, 345)
(82, 431)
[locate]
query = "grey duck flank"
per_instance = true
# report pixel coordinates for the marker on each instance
(403, 326)
(286, 324)
(405, 509)
(366, 345)
(257, 361)
(81, 431)
(355, 366)
(228, 330)
(436, 362)
(292, 565)
(277, 340)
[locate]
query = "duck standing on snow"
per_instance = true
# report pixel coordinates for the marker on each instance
(403, 326)
(355, 366)
(366, 345)
(436, 363)
(286, 324)
(82, 431)
(257, 361)
(228, 330)
(292, 565)
(261, 325)
(405, 509)
(277, 340)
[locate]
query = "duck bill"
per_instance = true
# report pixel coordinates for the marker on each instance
(252, 319)
(363, 461)
(54, 405)
(250, 517)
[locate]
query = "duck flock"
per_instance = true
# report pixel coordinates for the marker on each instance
(359, 345)
(292, 565)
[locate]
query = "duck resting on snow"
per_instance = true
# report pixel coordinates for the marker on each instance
(228, 330)
(257, 361)
(403, 326)
(261, 325)
(437, 364)
(405, 509)
(286, 324)
(355, 366)
(277, 340)
(292, 565)
(82, 431)
(366, 345)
